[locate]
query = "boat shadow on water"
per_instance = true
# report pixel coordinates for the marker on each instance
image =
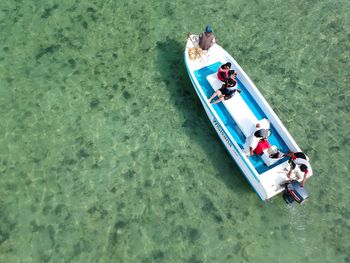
(196, 124)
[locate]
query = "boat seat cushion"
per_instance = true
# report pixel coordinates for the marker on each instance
(266, 157)
(241, 114)
(214, 81)
(244, 117)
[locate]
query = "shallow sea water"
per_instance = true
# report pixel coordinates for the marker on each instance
(106, 154)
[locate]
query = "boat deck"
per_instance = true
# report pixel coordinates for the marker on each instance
(232, 127)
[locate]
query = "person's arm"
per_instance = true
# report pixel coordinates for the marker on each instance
(234, 76)
(212, 42)
(200, 38)
(289, 154)
(290, 172)
(304, 179)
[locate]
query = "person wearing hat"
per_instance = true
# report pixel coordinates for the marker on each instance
(206, 39)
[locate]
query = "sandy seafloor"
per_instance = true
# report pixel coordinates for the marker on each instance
(106, 154)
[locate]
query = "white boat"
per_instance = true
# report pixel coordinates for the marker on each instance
(235, 119)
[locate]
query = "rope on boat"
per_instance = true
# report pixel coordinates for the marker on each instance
(195, 52)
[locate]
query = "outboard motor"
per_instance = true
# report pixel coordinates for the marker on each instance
(295, 192)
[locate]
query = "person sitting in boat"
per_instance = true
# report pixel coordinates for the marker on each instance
(262, 131)
(206, 39)
(302, 161)
(226, 91)
(262, 145)
(223, 71)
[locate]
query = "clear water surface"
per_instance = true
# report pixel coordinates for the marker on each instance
(106, 154)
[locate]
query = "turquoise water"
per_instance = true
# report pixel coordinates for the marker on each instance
(106, 154)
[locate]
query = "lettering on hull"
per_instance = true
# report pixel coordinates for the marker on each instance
(222, 133)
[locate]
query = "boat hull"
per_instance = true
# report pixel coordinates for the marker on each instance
(226, 118)
(231, 148)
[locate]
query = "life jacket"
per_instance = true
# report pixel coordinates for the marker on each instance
(225, 71)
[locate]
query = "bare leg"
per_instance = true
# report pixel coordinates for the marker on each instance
(218, 100)
(216, 93)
